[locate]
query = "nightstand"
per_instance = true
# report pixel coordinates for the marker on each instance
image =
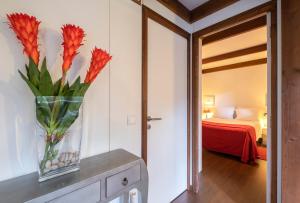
(264, 135)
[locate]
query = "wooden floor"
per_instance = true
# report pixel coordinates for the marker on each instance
(225, 179)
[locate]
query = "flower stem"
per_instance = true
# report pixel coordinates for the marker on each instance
(63, 80)
(49, 155)
(45, 159)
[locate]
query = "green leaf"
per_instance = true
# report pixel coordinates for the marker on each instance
(33, 73)
(56, 87)
(76, 84)
(65, 89)
(63, 107)
(69, 91)
(45, 85)
(43, 117)
(69, 116)
(34, 90)
(27, 70)
(43, 111)
(81, 90)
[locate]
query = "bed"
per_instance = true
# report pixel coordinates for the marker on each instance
(231, 136)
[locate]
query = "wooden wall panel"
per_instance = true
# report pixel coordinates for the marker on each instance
(291, 101)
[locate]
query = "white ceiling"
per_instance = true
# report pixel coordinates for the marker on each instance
(242, 41)
(191, 4)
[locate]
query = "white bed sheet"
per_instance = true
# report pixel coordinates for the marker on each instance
(255, 124)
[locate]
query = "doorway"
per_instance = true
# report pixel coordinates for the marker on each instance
(269, 13)
(234, 113)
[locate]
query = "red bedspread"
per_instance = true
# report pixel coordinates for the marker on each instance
(237, 140)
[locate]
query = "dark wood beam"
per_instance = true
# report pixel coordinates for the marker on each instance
(275, 133)
(198, 13)
(238, 53)
(209, 8)
(236, 65)
(236, 30)
(235, 20)
(137, 1)
(176, 7)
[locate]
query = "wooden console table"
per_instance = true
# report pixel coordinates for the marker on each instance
(101, 178)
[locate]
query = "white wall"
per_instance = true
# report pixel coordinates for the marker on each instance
(243, 87)
(114, 95)
(125, 82)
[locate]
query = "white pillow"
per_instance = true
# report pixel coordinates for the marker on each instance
(224, 112)
(247, 114)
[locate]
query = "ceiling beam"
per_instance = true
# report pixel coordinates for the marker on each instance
(198, 13)
(238, 53)
(236, 30)
(237, 19)
(178, 8)
(236, 65)
(137, 1)
(208, 8)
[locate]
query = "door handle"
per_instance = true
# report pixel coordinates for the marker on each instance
(149, 118)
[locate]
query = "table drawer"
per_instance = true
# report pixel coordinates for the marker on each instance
(120, 181)
(88, 194)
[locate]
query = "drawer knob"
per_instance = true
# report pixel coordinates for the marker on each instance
(124, 181)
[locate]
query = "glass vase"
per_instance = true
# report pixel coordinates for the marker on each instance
(59, 132)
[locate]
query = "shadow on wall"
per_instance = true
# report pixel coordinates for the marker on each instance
(17, 112)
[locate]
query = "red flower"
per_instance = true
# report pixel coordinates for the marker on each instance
(26, 28)
(73, 36)
(98, 62)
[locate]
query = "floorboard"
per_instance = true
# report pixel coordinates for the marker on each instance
(226, 180)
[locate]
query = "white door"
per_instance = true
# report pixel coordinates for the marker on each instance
(167, 99)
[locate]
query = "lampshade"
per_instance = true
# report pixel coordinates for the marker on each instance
(206, 111)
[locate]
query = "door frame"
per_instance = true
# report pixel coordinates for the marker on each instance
(147, 13)
(264, 9)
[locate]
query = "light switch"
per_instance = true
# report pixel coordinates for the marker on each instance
(131, 120)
